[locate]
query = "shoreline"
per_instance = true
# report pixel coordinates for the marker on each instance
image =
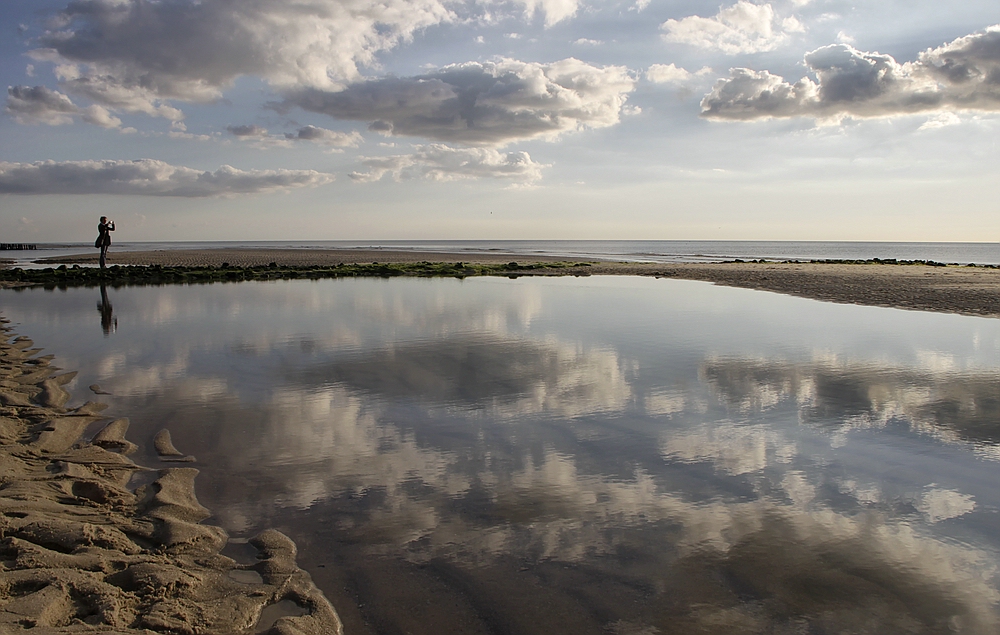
(85, 549)
(919, 286)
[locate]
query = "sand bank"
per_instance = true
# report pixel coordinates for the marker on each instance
(951, 289)
(90, 542)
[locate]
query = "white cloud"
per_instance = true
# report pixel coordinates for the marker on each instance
(178, 134)
(130, 54)
(105, 90)
(100, 116)
(554, 10)
(40, 105)
(844, 38)
(749, 94)
(940, 120)
(741, 28)
(671, 74)
(34, 105)
(960, 75)
(791, 24)
(147, 177)
(587, 42)
(486, 104)
(438, 162)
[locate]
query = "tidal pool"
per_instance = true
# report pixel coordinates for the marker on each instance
(571, 455)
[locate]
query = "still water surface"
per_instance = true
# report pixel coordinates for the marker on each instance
(623, 456)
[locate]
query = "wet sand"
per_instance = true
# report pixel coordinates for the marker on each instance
(92, 542)
(951, 289)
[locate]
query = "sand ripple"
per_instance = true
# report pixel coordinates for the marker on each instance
(83, 550)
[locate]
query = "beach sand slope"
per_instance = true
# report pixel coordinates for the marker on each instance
(83, 551)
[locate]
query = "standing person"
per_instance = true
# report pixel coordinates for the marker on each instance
(104, 229)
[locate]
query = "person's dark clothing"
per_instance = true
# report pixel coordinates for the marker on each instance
(104, 239)
(104, 234)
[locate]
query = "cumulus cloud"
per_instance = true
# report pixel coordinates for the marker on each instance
(29, 105)
(100, 116)
(438, 162)
(671, 74)
(961, 75)
(147, 177)
(130, 54)
(741, 28)
(40, 105)
(105, 89)
(485, 104)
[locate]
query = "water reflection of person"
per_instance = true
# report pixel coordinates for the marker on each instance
(109, 323)
(104, 229)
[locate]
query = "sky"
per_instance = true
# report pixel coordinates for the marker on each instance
(485, 119)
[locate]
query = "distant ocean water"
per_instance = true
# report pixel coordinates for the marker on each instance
(627, 250)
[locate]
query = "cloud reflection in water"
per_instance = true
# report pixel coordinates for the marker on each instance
(663, 476)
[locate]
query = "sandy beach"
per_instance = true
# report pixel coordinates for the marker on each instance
(92, 542)
(951, 289)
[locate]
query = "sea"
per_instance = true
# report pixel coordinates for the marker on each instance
(981, 253)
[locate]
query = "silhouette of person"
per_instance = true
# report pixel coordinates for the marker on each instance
(104, 229)
(109, 323)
